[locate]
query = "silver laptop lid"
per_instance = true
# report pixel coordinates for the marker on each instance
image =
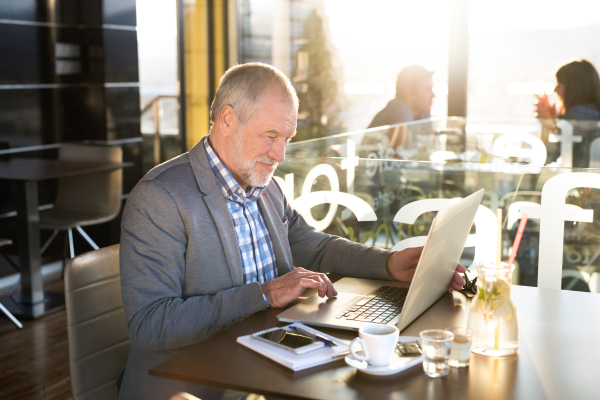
(441, 253)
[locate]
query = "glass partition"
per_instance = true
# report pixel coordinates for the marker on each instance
(495, 141)
(356, 186)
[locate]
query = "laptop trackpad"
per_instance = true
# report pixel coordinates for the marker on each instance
(319, 308)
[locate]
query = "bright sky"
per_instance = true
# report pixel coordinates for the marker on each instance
(380, 36)
(156, 18)
(491, 16)
(399, 32)
(157, 46)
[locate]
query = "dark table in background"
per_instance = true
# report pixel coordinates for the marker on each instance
(26, 173)
(559, 358)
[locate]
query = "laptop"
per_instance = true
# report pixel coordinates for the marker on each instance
(363, 301)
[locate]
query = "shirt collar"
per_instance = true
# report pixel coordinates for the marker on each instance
(231, 189)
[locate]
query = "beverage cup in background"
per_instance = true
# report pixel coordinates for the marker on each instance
(436, 345)
(461, 347)
(378, 343)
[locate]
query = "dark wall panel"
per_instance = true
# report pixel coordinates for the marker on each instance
(119, 12)
(33, 54)
(24, 10)
(20, 54)
(67, 12)
(81, 113)
(20, 117)
(122, 113)
(120, 56)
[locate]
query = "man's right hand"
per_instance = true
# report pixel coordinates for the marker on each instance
(283, 290)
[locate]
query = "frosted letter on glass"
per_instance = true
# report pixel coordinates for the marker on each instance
(308, 199)
(566, 139)
(287, 186)
(537, 153)
(552, 214)
(485, 222)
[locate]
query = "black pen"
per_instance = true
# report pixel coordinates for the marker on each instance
(321, 338)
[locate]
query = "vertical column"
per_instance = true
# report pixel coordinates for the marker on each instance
(458, 61)
(28, 220)
(232, 32)
(219, 38)
(195, 60)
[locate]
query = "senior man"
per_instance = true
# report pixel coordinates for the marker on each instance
(208, 238)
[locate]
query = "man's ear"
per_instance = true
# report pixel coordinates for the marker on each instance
(228, 122)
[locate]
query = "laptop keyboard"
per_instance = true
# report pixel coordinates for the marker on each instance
(378, 307)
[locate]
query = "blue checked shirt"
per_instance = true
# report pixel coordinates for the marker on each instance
(256, 248)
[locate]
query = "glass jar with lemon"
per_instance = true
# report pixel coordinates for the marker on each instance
(493, 316)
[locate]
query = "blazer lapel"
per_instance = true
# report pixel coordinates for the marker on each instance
(207, 183)
(218, 209)
(278, 235)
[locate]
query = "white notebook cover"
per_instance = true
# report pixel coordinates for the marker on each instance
(297, 362)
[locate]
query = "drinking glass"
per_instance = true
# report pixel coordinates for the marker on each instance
(461, 347)
(436, 345)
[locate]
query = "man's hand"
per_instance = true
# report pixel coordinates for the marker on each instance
(402, 265)
(457, 282)
(285, 289)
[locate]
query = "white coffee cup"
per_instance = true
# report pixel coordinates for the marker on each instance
(378, 343)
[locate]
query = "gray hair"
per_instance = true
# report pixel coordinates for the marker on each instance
(244, 86)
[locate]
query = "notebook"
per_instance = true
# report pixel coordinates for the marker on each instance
(297, 362)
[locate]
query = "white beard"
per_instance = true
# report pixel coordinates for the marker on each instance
(247, 170)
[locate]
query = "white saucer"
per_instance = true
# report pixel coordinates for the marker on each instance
(396, 364)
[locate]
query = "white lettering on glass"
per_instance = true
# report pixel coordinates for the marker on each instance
(484, 240)
(552, 214)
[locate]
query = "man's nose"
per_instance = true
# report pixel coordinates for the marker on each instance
(277, 151)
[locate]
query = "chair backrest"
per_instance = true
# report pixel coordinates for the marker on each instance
(98, 341)
(99, 192)
(183, 396)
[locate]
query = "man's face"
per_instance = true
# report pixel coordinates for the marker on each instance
(422, 96)
(260, 145)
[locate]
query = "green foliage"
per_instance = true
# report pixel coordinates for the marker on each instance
(318, 78)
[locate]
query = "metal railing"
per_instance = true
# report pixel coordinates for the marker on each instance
(154, 105)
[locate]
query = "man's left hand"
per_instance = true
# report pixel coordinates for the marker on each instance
(403, 264)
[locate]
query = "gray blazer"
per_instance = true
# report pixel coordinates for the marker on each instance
(181, 269)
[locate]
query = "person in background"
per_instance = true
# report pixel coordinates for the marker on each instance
(578, 90)
(414, 96)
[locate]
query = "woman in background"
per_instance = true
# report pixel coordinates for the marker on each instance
(578, 89)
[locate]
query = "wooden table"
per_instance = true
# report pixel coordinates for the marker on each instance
(559, 358)
(27, 172)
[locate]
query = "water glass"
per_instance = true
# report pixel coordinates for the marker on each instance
(436, 345)
(461, 347)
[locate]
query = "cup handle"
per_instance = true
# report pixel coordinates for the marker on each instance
(358, 356)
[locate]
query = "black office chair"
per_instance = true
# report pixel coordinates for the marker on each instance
(84, 200)
(8, 242)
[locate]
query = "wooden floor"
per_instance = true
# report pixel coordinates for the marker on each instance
(34, 361)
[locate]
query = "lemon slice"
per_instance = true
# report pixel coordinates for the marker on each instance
(503, 309)
(501, 290)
